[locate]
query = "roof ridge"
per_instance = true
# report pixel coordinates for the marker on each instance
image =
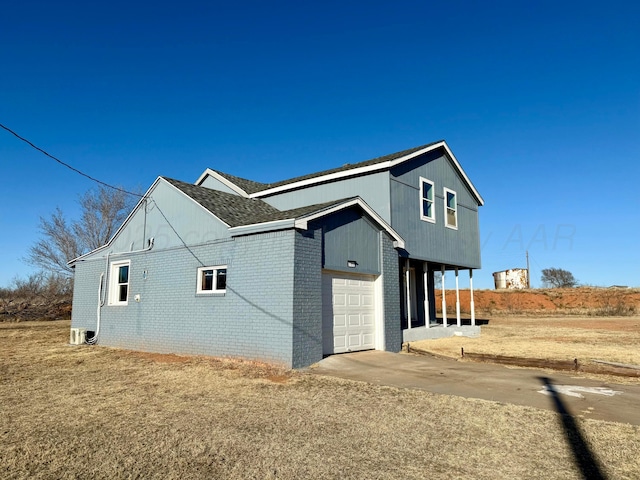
(251, 186)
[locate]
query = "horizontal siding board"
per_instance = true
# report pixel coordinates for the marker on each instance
(373, 189)
(348, 235)
(433, 241)
(189, 223)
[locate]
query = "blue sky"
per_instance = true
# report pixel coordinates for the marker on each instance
(539, 101)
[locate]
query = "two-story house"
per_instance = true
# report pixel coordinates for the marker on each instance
(288, 272)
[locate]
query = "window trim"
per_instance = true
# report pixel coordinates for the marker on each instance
(214, 290)
(446, 207)
(424, 217)
(114, 282)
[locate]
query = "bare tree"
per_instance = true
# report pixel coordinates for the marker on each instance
(558, 278)
(103, 210)
(437, 279)
(57, 246)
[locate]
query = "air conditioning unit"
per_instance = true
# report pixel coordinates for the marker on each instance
(78, 336)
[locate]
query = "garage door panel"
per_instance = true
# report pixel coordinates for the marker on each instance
(339, 299)
(349, 321)
(354, 300)
(354, 320)
(367, 320)
(340, 342)
(368, 340)
(339, 321)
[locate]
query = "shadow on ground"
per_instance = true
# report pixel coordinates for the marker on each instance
(583, 456)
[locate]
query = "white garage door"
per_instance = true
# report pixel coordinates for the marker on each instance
(348, 313)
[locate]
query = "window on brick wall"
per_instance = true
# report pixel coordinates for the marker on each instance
(119, 283)
(212, 279)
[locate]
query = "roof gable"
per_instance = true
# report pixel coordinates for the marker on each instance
(241, 186)
(234, 210)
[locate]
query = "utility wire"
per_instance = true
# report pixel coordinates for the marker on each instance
(105, 184)
(69, 166)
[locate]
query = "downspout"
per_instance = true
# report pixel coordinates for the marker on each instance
(101, 301)
(101, 290)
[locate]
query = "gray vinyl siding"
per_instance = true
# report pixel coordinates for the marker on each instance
(215, 184)
(372, 188)
(252, 320)
(433, 241)
(348, 235)
(189, 223)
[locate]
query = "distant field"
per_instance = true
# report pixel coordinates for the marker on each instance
(97, 412)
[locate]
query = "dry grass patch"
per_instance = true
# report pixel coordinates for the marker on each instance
(94, 412)
(613, 339)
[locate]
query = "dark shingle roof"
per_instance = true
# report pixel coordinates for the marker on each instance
(248, 186)
(237, 211)
(232, 209)
(352, 166)
(251, 187)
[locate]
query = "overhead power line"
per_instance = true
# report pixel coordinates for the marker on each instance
(93, 179)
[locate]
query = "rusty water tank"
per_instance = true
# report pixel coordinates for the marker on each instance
(513, 279)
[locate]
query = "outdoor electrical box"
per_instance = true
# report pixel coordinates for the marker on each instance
(78, 336)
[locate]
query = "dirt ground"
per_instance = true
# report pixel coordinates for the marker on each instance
(97, 412)
(588, 301)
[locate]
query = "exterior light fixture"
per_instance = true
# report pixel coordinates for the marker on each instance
(352, 263)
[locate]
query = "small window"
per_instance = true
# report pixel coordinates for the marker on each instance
(212, 279)
(427, 208)
(450, 208)
(119, 283)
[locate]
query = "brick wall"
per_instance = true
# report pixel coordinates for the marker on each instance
(307, 303)
(391, 293)
(252, 320)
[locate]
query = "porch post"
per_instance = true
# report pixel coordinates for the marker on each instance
(458, 322)
(407, 279)
(473, 308)
(444, 301)
(425, 290)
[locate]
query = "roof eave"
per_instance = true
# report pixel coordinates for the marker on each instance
(262, 227)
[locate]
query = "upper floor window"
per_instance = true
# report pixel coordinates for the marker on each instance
(119, 283)
(212, 279)
(427, 207)
(450, 208)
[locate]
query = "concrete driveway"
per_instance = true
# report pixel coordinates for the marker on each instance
(559, 392)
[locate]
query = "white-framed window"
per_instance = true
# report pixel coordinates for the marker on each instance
(450, 209)
(212, 279)
(427, 200)
(119, 283)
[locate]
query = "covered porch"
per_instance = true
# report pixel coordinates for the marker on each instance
(419, 302)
